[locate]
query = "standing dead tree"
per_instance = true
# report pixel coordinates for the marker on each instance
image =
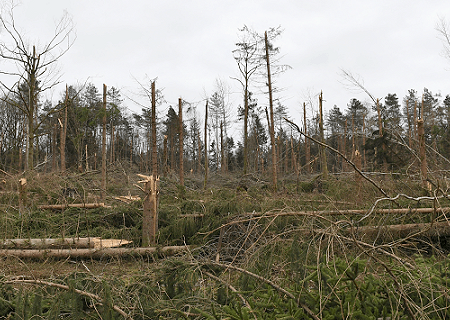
(33, 69)
(442, 28)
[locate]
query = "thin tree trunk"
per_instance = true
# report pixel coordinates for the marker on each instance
(245, 127)
(322, 139)
(54, 153)
(422, 154)
(154, 151)
(409, 124)
(165, 156)
(271, 125)
(199, 151)
(222, 151)
(180, 142)
(307, 148)
(206, 146)
(104, 146)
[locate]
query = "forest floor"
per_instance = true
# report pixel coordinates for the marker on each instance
(242, 235)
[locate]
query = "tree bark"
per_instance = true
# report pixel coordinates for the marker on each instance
(271, 124)
(104, 146)
(92, 253)
(307, 149)
(422, 153)
(206, 146)
(150, 213)
(154, 151)
(180, 142)
(322, 139)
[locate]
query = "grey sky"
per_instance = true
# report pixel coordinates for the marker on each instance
(392, 45)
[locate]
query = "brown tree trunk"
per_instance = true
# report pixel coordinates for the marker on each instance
(165, 157)
(271, 124)
(180, 142)
(154, 151)
(104, 146)
(150, 213)
(206, 146)
(222, 151)
(307, 148)
(54, 153)
(322, 139)
(63, 135)
(422, 154)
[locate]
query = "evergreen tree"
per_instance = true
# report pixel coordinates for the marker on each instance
(392, 116)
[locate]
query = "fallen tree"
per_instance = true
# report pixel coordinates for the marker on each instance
(73, 205)
(61, 243)
(349, 212)
(91, 253)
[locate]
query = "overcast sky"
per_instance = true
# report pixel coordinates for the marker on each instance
(392, 45)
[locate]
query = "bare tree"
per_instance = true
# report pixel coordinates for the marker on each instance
(33, 67)
(442, 28)
(248, 59)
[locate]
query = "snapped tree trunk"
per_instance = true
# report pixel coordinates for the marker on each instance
(322, 139)
(150, 213)
(307, 148)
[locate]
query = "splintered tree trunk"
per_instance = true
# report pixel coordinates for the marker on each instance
(271, 124)
(104, 146)
(422, 154)
(154, 151)
(307, 149)
(322, 139)
(180, 143)
(409, 125)
(150, 213)
(206, 146)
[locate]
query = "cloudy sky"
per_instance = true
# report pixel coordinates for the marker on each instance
(187, 44)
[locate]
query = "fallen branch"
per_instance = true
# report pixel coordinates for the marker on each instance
(350, 212)
(91, 253)
(398, 231)
(48, 243)
(80, 292)
(73, 205)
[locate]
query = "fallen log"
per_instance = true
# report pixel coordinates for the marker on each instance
(349, 212)
(91, 253)
(398, 231)
(72, 205)
(60, 243)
